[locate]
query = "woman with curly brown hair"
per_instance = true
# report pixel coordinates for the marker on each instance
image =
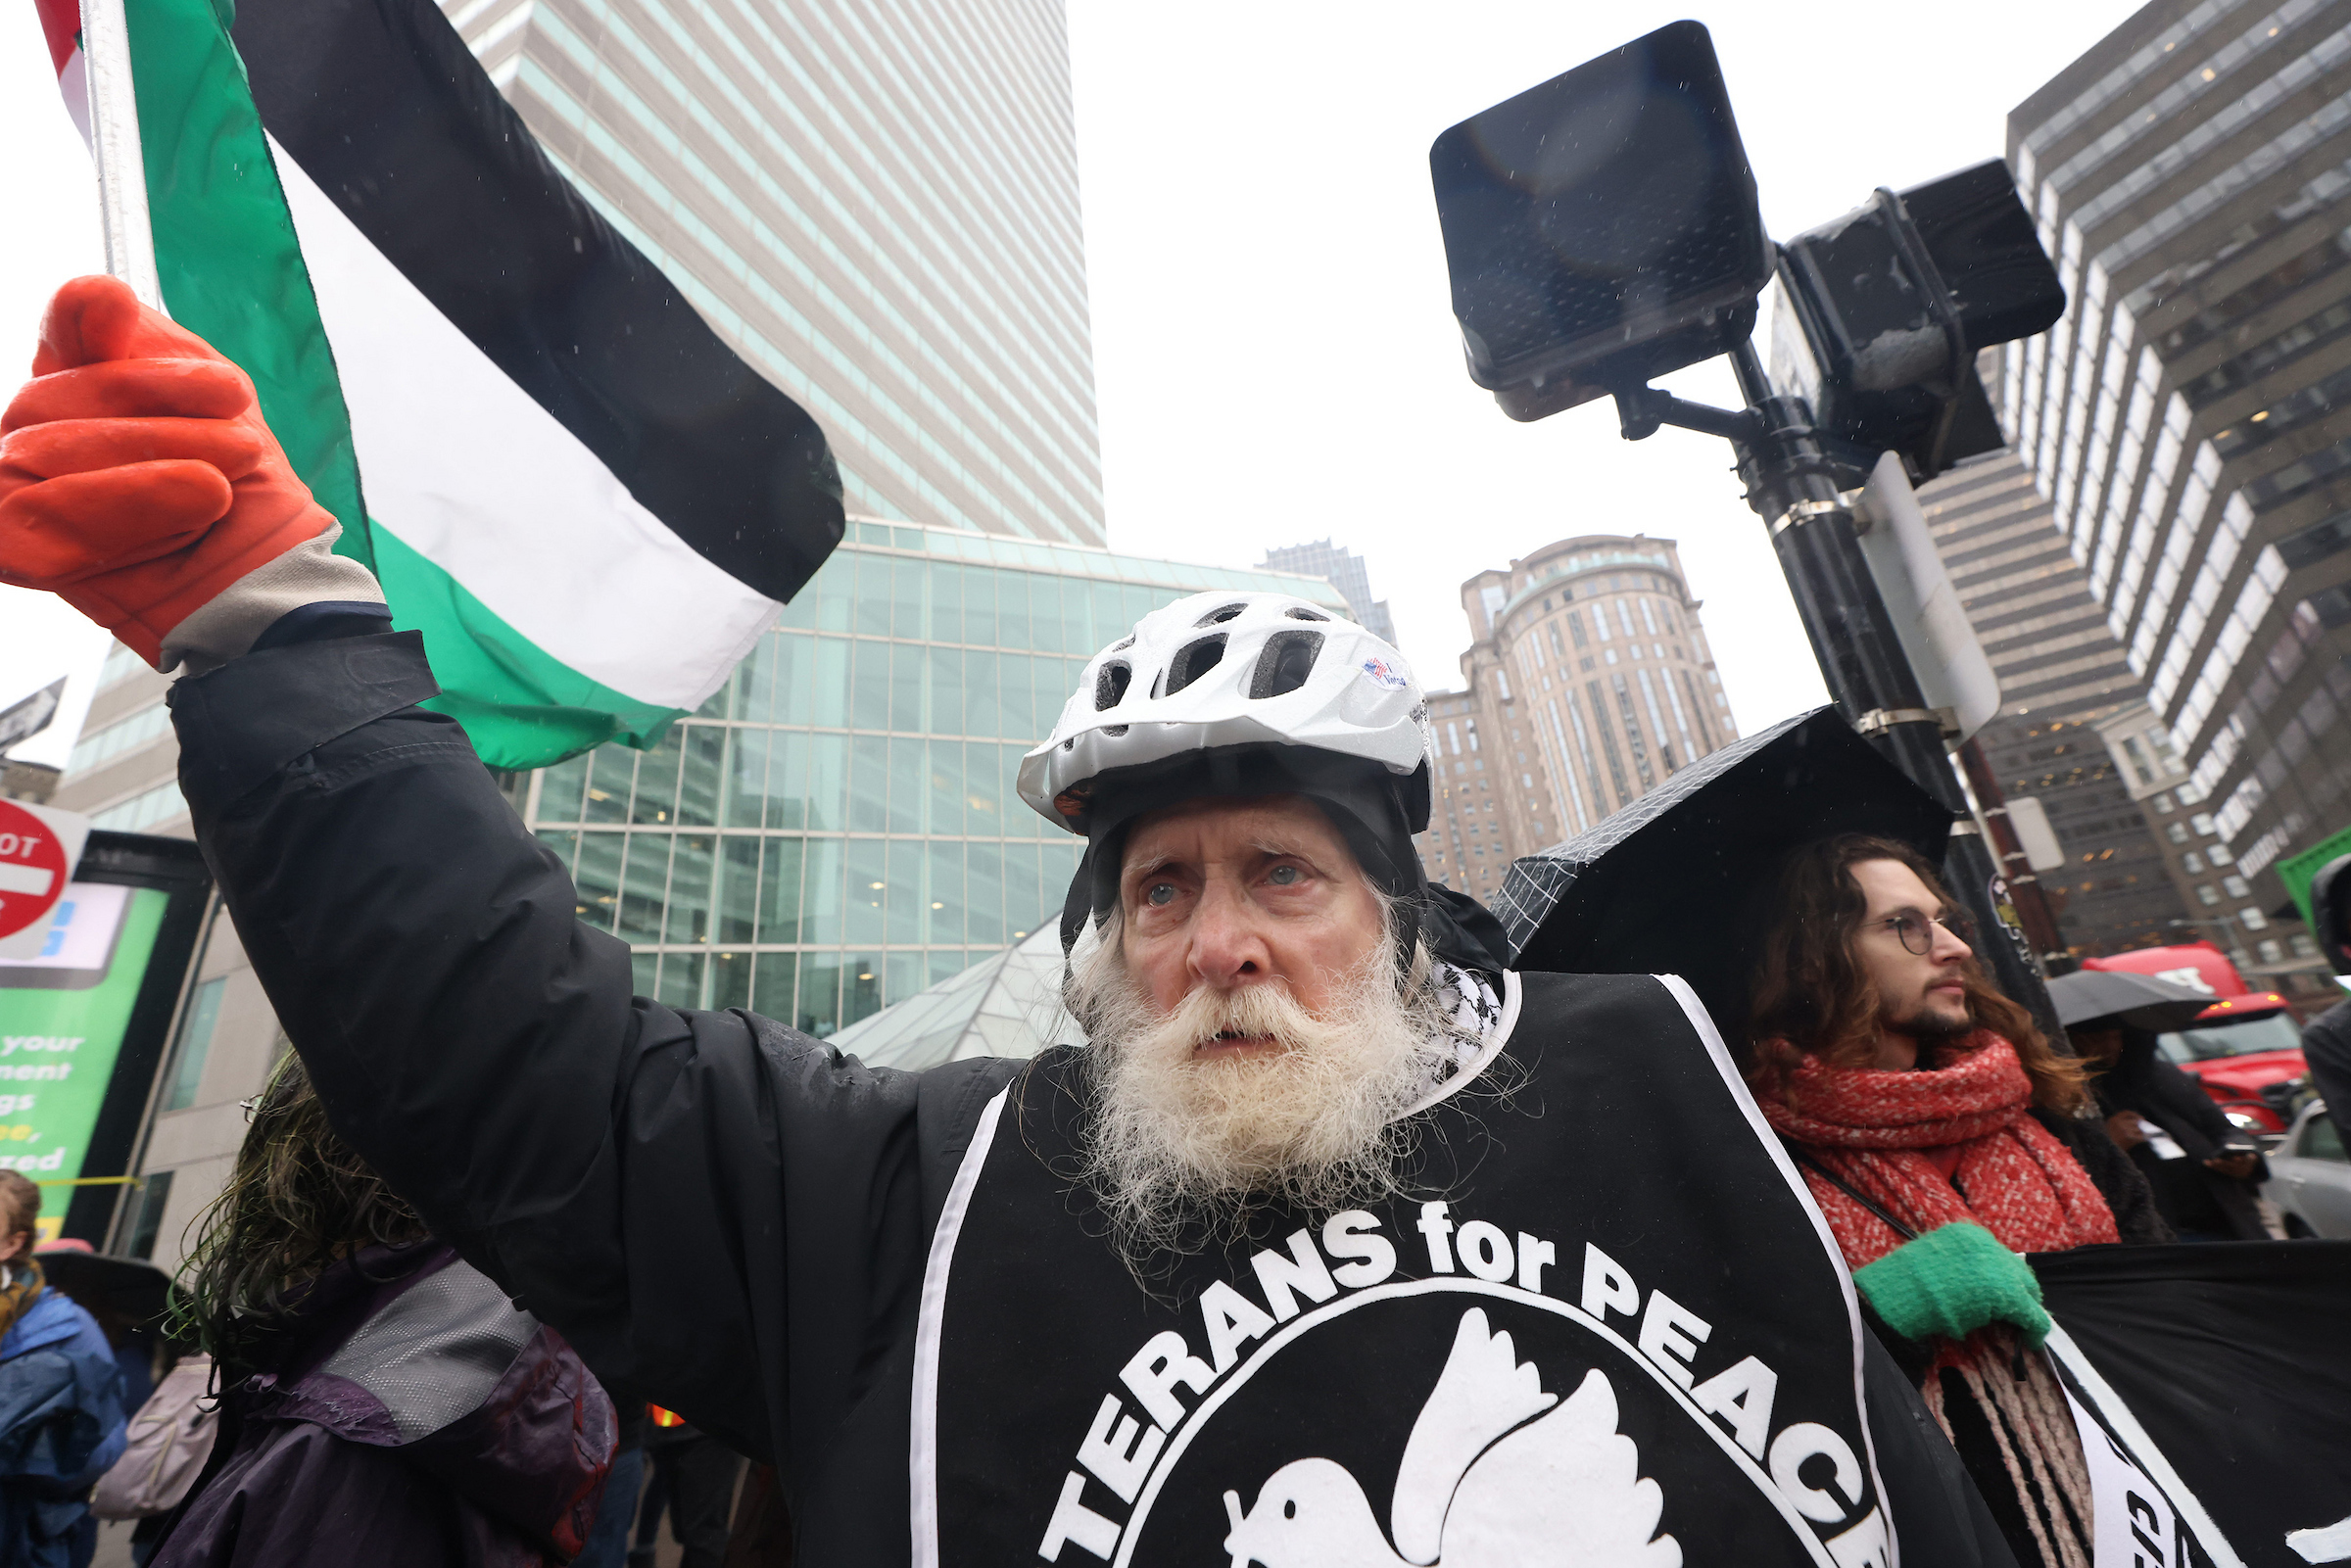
(1942, 1138)
(381, 1402)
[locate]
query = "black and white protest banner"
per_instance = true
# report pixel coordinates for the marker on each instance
(1605, 1325)
(2212, 1387)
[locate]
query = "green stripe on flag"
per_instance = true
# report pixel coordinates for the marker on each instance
(224, 246)
(233, 271)
(523, 707)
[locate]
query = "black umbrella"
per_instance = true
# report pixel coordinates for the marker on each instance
(130, 1286)
(1662, 886)
(2140, 1000)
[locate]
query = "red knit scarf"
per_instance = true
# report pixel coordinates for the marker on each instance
(1870, 1127)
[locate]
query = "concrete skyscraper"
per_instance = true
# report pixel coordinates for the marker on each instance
(2187, 421)
(1588, 681)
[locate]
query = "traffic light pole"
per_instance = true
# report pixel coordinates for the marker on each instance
(1792, 483)
(2032, 911)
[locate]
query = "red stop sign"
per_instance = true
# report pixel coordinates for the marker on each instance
(32, 869)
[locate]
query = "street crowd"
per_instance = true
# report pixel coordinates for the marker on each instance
(1337, 1240)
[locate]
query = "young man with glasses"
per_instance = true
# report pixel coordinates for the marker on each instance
(1942, 1138)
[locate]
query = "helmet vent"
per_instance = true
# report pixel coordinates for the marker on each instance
(1114, 731)
(1299, 612)
(1110, 685)
(1194, 660)
(1120, 645)
(1288, 660)
(1219, 615)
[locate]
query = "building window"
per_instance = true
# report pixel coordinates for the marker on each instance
(155, 1195)
(2209, 895)
(2270, 951)
(2254, 920)
(2234, 887)
(2177, 832)
(2193, 864)
(195, 1044)
(120, 663)
(2304, 944)
(2202, 824)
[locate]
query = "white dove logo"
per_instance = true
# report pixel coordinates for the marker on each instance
(1483, 1484)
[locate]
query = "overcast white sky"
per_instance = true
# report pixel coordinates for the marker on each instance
(1275, 357)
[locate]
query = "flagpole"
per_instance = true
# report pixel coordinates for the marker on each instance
(115, 145)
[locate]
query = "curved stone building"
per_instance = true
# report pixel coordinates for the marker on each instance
(1588, 681)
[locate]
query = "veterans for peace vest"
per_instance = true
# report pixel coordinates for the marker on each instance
(1603, 1326)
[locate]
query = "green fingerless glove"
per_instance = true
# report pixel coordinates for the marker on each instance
(1952, 1281)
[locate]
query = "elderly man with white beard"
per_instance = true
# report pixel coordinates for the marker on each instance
(1337, 1244)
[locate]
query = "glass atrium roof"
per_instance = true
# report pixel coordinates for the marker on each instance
(1007, 1005)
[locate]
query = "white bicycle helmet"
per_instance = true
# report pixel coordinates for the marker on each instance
(1223, 670)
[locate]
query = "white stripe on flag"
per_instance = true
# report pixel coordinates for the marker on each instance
(476, 477)
(74, 83)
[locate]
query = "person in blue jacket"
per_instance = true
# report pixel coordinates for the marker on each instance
(61, 1422)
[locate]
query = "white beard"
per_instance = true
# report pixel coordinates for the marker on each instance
(1183, 1146)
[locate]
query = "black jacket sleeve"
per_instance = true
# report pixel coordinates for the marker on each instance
(722, 1211)
(1938, 1512)
(2201, 1128)
(2327, 1047)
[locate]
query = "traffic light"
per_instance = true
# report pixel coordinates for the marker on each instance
(1888, 306)
(1602, 229)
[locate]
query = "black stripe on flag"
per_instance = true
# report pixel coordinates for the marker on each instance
(388, 111)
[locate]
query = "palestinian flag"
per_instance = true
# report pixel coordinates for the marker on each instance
(587, 503)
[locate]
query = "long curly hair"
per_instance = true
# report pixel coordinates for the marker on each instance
(297, 1201)
(1809, 997)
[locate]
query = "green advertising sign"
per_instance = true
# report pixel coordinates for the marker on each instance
(2298, 870)
(63, 1017)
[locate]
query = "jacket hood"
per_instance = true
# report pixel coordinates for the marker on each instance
(51, 1319)
(468, 1388)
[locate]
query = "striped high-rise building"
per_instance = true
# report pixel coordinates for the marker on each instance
(874, 204)
(2189, 420)
(2062, 675)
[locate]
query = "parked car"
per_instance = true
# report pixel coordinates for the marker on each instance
(2310, 1176)
(2247, 1047)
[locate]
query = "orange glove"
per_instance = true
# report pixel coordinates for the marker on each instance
(137, 478)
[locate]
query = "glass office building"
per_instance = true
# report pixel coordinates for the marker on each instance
(838, 828)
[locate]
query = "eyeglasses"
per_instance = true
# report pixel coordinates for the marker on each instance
(1915, 929)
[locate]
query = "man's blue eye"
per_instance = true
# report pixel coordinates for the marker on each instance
(1159, 893)
(1284, 876)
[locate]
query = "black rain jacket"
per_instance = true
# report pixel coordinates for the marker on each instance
(710, 1207)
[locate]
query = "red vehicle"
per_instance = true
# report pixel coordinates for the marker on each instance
(2247, 1047)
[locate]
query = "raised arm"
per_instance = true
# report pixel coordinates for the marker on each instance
(712, 1207)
